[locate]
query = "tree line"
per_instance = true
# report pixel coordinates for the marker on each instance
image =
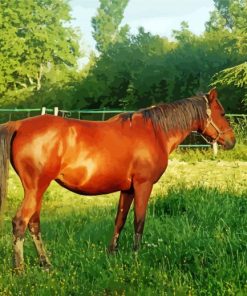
(39, 54)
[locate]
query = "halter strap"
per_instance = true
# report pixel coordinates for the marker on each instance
(211, 122)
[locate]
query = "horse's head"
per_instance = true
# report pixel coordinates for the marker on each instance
(216, 126)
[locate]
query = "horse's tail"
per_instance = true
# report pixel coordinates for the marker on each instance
(6, 133)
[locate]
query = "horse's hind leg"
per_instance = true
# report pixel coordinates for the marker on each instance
(34, 228)
(125, 200)
(30, 205)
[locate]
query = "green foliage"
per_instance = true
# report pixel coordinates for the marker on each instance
(126, 72)
(221, 17)
(34, 38)
(106, 23)
(234, 76)
(231, 16)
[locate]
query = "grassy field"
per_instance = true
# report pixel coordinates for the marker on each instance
(195, 238)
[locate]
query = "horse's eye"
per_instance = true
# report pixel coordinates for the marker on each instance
(223, 114)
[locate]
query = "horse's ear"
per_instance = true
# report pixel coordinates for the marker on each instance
(212, 95)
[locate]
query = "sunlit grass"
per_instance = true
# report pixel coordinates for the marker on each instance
(239, 153)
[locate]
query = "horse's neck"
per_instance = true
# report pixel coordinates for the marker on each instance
(172, 138)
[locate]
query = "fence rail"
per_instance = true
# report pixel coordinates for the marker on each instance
(192, 141)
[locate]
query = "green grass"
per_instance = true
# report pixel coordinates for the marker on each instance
(195, 239)
(239, 153)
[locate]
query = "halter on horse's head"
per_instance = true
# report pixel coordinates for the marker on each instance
(216, 127)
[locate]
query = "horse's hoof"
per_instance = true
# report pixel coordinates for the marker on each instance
(112, 250)
(46, 266)
(18, 270)
(136, 248)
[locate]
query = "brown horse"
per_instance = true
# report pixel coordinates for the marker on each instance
(127, 153)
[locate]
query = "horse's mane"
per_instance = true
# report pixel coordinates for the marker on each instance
(177, 115)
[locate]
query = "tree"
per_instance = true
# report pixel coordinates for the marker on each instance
(106, 23)
(223, 7)
(130, 74)
(231, 11)
(229, 14)
(34, 38)
(230, 17)
(234, 76)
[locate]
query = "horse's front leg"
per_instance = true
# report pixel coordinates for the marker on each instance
(141, 197)
(125, 201)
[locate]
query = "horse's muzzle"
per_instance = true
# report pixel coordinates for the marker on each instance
(229, 144)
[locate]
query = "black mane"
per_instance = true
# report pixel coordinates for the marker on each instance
(176, 115)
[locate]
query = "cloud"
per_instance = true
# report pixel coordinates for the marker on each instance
(82, 16)
(164, 26)
(85, 3)
(164, 8)
(156, 16)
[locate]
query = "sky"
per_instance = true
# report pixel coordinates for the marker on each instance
(156, 16)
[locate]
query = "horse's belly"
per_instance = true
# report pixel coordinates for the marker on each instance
(91, 181)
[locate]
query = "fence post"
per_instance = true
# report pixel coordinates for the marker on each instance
(215, 148)
(56, 111)
(43, 110)
(103, 115)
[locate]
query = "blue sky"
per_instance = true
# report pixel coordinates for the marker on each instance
(156, 16)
